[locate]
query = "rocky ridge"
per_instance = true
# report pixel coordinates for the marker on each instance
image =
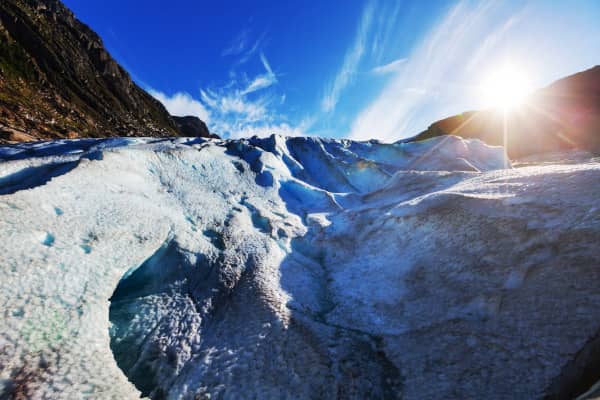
(58, 81)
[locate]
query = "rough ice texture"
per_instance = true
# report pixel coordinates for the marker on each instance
(295, 268)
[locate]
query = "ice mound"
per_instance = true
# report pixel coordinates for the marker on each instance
(295, 268)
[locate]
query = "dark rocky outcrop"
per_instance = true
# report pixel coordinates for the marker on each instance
(562, 116)
(193, 126)
(58, 81)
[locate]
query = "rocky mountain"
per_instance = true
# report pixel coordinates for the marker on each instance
(58, 81)
(562, 116)
(193, 126)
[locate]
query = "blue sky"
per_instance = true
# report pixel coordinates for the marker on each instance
(358, 69)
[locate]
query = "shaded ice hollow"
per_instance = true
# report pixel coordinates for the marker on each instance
(295, 268)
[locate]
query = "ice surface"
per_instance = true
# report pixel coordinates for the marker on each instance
(292, 268)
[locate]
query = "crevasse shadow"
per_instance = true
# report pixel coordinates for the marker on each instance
(145, 304)
(355, 361)
(162, 333)
(31, 177)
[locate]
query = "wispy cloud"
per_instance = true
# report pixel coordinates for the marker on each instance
(434, 75)
(490, 42)
(226, 103)
(262, 81)
(265, 63)
(386, 21)
(236, 116)
(181, 104)
(240, 108)
(243, 47)
(251, 51)
(238, 44)
(351, 61)
(390, 67)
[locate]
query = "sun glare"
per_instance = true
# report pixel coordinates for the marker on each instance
(505, 87)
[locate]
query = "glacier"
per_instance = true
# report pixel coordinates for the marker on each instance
(302, 268)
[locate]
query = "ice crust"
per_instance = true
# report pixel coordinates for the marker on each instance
(292, 268)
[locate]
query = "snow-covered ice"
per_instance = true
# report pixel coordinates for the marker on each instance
(294, 268)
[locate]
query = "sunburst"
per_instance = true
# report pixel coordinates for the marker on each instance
(505, 87)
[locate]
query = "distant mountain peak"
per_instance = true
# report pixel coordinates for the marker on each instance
(192, 126)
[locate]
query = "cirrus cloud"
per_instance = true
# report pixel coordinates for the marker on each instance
(241, 108)
(351, 61)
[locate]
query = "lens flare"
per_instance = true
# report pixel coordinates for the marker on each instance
(506, 87)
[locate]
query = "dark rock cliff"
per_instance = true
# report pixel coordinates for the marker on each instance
(58, 81)
(193, 126)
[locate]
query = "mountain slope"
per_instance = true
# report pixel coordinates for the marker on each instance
(57, 80)
(562, 116)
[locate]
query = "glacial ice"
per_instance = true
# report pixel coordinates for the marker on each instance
(294, 268)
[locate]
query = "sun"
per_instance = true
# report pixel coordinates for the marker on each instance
(505, 87)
